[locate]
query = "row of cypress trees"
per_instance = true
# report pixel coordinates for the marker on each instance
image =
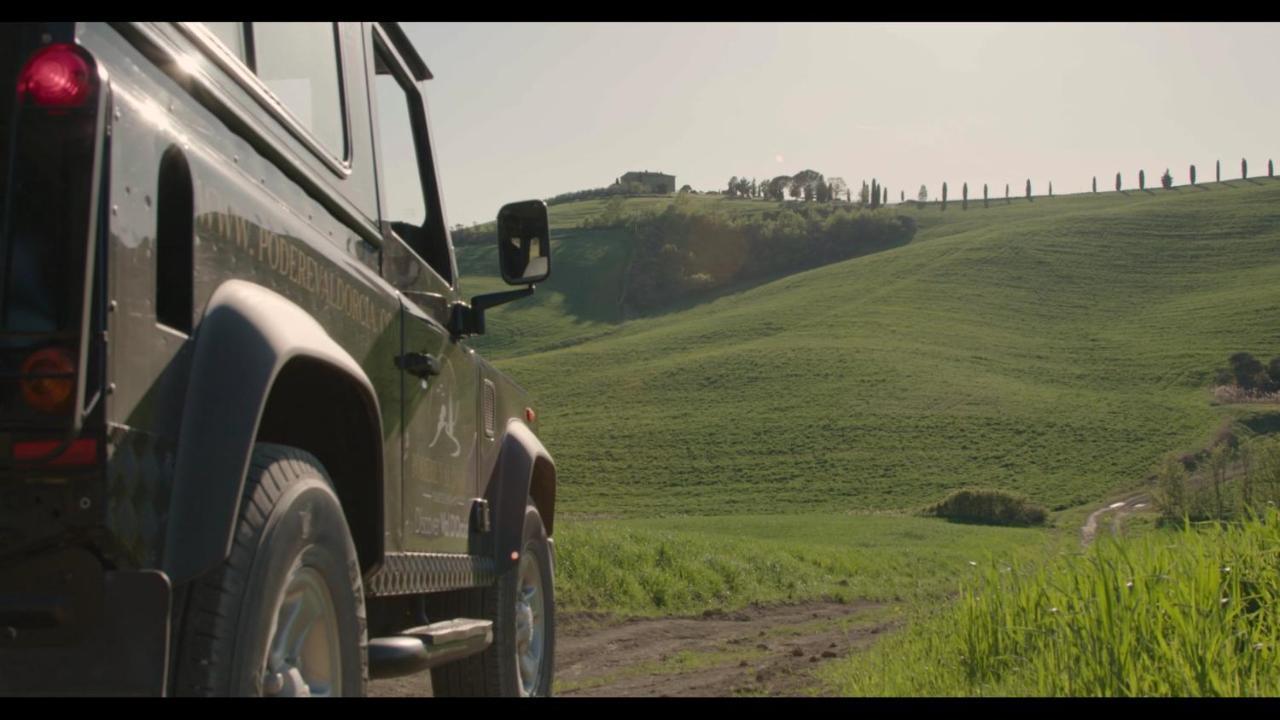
(1166, 181)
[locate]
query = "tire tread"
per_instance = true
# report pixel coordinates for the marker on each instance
(203, 666)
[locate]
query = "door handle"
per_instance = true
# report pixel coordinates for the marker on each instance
(420, 364)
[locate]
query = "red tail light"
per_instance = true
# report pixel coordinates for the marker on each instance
(57, 76)
(49, 380)
(80, 452)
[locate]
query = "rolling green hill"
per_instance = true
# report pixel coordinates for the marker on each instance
(581, 299)
(1056, 348)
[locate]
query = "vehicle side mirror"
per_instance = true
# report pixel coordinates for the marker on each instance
(524, 242)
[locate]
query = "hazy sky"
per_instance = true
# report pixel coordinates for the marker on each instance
(531, 110)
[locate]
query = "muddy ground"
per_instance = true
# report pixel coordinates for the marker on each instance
(756, 651)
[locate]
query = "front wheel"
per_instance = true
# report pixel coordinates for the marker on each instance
(521, 660)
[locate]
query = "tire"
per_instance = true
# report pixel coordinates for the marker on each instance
(291, 535)
(496, 671)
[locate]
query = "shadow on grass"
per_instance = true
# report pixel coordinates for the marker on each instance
(988, 523)
(691, 299)
(1265, 423)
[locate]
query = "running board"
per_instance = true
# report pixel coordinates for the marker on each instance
(422, 648)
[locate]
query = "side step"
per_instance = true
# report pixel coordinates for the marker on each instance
(422, 648)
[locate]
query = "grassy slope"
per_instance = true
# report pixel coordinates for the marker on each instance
(670, 566)
(1056, 348)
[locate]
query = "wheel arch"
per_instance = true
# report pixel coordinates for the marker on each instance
(254, 352)
(524, 470)
(340, 429)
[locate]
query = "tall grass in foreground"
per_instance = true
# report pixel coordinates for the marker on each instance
(1181, 613)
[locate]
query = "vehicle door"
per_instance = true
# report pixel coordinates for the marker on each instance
(438, 373)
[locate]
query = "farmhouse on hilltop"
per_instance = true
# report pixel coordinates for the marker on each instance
(649, 182)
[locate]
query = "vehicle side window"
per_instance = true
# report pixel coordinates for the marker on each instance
(232, 35)
(298, 61)
(401, 145)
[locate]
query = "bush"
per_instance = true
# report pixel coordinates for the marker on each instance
(1249, 371)
(989, 507)
(1234, 479)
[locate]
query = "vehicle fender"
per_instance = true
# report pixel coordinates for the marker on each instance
(509, 490)
(248, 333)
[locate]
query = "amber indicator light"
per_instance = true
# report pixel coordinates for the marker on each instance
(48, 380)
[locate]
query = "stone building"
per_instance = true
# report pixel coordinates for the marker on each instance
(652, 182)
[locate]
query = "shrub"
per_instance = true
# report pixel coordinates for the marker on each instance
(989, 507)
(1248, 371)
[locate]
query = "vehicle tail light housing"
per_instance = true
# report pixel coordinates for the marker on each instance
(58, 77)
(82, 451)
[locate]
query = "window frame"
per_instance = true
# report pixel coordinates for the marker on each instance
(422, 149)
(245, 75)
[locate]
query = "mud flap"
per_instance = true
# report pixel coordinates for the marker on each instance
(68, 628)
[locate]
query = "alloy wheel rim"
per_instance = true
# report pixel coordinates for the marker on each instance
(530, 623)
(304, 656)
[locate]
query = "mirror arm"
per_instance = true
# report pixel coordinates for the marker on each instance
(480, 303)
(470, 320)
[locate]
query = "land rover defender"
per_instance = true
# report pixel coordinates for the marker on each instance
(245, 448)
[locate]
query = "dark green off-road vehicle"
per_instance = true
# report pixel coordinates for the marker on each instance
(245, 448)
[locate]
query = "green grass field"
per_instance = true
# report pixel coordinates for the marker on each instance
(769, 445)
(1056, 348)
(683, 566)
(1182, 613)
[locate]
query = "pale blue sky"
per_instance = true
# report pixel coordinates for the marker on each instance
(531, 110)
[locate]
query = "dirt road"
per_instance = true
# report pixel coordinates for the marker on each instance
(756, 651)
(1119, 509)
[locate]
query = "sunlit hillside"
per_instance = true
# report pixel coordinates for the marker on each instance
(1056, 348)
